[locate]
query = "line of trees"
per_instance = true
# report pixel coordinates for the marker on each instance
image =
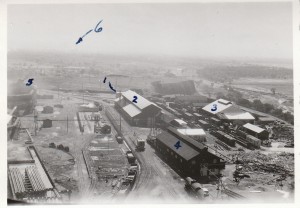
(256, 104)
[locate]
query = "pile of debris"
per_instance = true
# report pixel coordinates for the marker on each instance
(276, 163)
(282, 132)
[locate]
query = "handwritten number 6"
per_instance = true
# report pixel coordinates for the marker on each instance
(99, 29)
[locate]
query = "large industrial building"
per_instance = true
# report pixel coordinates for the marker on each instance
(22, 96)
(140, 113)
(228, 112)
(256, 131)
(191, 158)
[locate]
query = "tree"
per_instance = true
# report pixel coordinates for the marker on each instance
(273, 90)
(268, 107)
(244, 102)
(257, 104)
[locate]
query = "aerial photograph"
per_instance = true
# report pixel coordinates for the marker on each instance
(147, 103)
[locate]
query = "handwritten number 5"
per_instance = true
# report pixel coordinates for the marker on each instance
(99, 29)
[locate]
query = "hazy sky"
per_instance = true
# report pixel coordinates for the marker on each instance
(233, 30)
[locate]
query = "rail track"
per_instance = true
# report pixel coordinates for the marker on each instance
(232, 194)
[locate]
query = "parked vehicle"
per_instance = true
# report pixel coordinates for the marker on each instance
(130, 157)
(195, 189)
(119, 139)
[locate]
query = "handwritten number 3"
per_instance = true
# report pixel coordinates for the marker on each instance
(99, 29)
(214, 107)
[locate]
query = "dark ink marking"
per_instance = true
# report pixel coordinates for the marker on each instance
(177, 145)
(87, 33)
(134, 99)
(104, 80)
(96, 30)
(79, 40)
(99, 29)
(214, 107)
(111, 87)
(29, 82)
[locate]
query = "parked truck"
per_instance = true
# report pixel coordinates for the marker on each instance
(130, 157)
(140, 144)
(119, 138)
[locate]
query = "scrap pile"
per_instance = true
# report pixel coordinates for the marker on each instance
(276, 163)
(283, 132)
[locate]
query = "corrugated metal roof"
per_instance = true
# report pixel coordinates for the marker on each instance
(192, 132)
(131, 110)
(185, 151)
(220, 106)
(141, 101)
(253, 128)
(179, 121)
(236, 116)
(266, 119)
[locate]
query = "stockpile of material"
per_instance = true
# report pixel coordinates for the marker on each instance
(35, 179)
(274, 162)
(17, 182)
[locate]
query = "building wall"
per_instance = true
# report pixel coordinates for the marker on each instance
(144, 119)
(196, 167)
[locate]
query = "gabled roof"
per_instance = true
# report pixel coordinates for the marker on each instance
(141, 101)
(131, 110)
(185, 151)
(236, 116)
(220, 104)
(253, 128)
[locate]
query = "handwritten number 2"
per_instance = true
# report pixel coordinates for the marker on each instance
(99, 29)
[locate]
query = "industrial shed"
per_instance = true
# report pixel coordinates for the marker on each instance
(178, 123)
(226, 111)
(47, 123)
(47, 109)
(256, 131)
(192, 158)
(141, 113)
(196, 134)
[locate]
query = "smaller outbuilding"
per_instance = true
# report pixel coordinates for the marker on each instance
(47, 109)
(47, 123)
(196, 134)
(256, 131)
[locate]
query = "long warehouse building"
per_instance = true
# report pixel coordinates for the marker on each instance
(191, 158)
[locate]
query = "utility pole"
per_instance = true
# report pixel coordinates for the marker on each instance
(120, 124)
(67, 123)
(35, 123)
(82, 94)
